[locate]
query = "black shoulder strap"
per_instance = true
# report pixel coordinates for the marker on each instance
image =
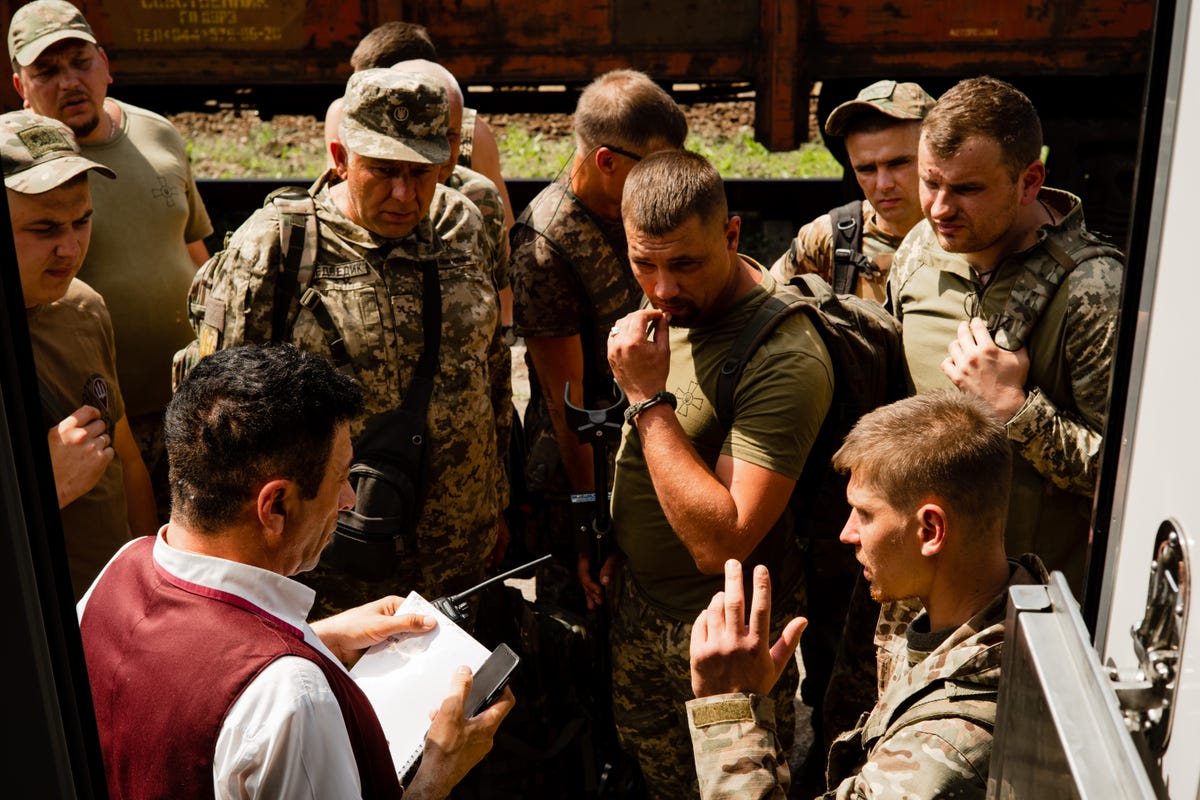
(420, 388)
(298, 246)
(847, 245)
(774, 310)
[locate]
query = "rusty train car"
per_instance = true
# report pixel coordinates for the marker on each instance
(1081, 61)
(778, 48)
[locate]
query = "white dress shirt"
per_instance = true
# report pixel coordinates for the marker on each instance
(285, 736)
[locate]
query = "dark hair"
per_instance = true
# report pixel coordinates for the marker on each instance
(989, 108)
(947, 444)
(666, 189)
(248, 415)
(627, 109)
(392, 42)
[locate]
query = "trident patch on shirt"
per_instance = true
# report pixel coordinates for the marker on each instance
(95, 393)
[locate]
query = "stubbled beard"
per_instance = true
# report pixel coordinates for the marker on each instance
(86, 128)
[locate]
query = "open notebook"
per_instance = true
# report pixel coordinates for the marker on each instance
(407, 677)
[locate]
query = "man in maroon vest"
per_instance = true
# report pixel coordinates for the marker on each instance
(206, 678)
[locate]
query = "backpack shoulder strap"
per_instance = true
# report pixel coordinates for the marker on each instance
(848, 259)
(298, 246)
(1036, 286)
(774, 310)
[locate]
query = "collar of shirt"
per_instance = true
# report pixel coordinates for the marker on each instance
(271, 593)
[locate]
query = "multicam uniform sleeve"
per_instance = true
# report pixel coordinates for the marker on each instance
(1065, 447)
(810, 251)
(943, 758)
(738, 755)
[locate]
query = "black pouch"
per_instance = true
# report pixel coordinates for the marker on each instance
(386, 477)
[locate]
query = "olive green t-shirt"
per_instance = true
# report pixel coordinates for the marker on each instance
(138, 259)
(779, 405)
(72, 343)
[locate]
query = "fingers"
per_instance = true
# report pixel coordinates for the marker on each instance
(494, 714)
(81, 417)
(979, 332)
(735, 598)
(783, 650)
(609, 568)
(760, 605)
(593, 592)
(411, 623)
(453, 707)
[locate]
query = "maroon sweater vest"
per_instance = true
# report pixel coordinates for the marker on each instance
(166, 660)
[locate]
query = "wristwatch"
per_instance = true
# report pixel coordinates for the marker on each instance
(508, 335)
(653, 400)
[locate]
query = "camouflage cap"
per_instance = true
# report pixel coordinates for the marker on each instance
(903, 101)
(398, 116)
(40, 153)
(39, 24)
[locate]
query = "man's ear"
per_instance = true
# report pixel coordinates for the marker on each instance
(1032, 178)
(605, 160)
(931, 521)
(341, 157)
(273, 504)
(733, 233)
(19, 86)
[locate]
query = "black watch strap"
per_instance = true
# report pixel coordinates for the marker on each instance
(653, 400)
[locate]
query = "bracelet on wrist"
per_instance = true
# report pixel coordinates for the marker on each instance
(655, 399)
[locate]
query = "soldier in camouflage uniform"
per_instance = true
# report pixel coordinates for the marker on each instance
(965, 285)
(691, 490)
(380, 215)
(929, 484)
(571, 282)
(881, 127)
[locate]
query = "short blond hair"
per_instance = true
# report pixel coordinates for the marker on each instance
(946, 444)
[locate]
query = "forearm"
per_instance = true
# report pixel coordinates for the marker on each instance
(1064, 445)
(558, 362)
(737, 752)
(1063, 449)
(699, 507)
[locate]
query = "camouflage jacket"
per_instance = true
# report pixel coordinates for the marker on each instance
(372, 289)
(570, 276)
(738, 755)
(925, 738)
(812, 251)
(480, 190)
(930, 734)
(1057, 432)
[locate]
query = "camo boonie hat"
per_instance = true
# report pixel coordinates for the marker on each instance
(398, 116)
(903, 101)
(40, 153)
(40, 24)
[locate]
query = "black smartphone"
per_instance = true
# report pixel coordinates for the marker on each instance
(490, 679)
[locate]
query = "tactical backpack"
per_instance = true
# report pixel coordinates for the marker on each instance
(848, 258)
(298, 247)
(863, 341)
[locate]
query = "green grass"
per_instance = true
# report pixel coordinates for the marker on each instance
(263, 154)
(259, 154)
(527, 156)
